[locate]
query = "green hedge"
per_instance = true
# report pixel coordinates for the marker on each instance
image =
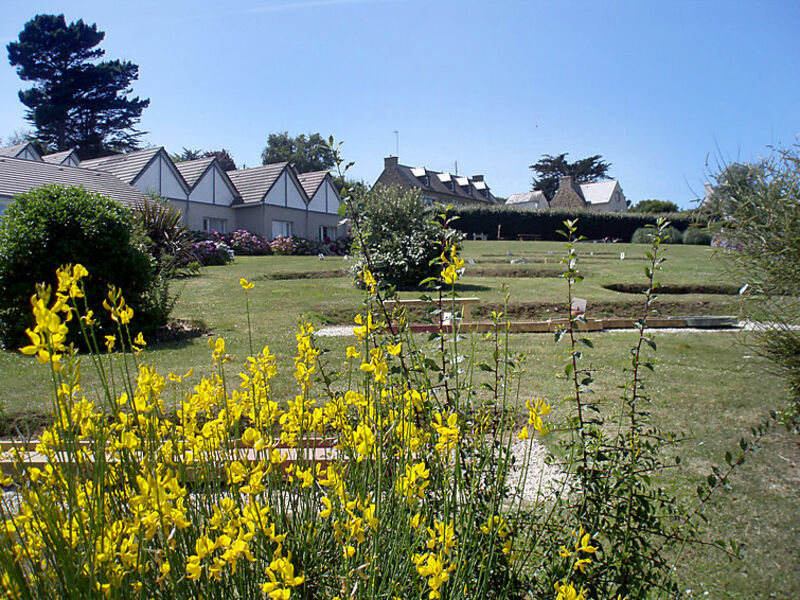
(547, 223)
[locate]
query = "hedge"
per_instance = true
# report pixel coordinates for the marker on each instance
(546, 223)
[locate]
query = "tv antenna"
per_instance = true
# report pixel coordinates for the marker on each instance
(396, 142)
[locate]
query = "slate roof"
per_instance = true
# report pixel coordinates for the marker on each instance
(15, 150)
(125, 166)
(536, 197)
(192, 170)
(445, 183)
(18, 175)
(57, 158)
(254, 183)
(598, 192)
(312, 181)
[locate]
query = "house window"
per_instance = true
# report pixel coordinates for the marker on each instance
(327, 232)
(429, 201)
(214, 224)
(282, 228)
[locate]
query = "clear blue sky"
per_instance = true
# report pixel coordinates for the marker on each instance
(660, 89)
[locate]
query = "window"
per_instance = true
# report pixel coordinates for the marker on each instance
(214, 224)
(282, 228)
(429, 201)
(327, 232)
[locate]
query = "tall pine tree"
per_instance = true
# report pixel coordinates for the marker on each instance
(550, 168)
(76, 101)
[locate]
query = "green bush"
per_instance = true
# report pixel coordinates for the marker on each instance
(400, 236)
(55, 225)
(547, 223)
(645, 235)
(697, 236)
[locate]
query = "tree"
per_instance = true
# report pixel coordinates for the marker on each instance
(549, 168)
(187, 154)
(755, 210)
(224, 157)
(308, 154)
(654, 206)
(76, 102)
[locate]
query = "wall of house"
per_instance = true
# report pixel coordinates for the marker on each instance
(212, 189)
(29, 154)
(253, 218)
(325, 199)
(618, 203)
(194, 212)
(160, 179)
(72, 161)
(317, 220)
(285, 192)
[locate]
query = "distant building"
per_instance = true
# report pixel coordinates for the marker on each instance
(67, 157)
(598, 196)
(25, 151)
(435, 186)
(535, 200)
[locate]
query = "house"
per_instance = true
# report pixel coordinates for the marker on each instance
(445, 188)
(211, 196)
(598, 196)
(67, 157)
(270, 200)
(535, 200)
(18, 175)
(323, 204)
(24, 151)
(274, 202)
(150, 171)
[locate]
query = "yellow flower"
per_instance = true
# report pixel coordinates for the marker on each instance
(394, 350)
(218, 348)
(352, 352)
(110, 341)
(139, 341)
(246, 285)
(449, 274)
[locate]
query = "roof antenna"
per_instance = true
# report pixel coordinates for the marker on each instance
(396, 142)
(456, 168)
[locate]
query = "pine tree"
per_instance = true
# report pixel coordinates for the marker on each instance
(76, 101)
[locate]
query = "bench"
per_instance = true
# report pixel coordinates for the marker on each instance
(480, 236)
(464, 304)
(529, 237)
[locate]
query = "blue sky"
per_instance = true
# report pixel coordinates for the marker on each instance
(662, 90)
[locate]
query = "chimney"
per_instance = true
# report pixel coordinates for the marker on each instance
(389, 163)
(477, 178)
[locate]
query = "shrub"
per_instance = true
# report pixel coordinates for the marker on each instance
(697, 236)
(283, 246)
(166, 240)
(645, 235)
(54, 225)
(400, 236)
(209, 253)
(246, 243)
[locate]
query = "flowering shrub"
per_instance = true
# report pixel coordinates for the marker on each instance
(247, 243)
(212, 253)
(282, 245)
(393, 485)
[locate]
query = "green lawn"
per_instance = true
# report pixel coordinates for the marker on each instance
(708, 385)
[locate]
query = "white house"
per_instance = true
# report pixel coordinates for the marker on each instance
(211, 197)
(535, 200)
(151, 171)
(323, 204)
(604, 196)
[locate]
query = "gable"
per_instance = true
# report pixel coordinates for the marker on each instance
(286, 192)
(162, 178)
(213, 188)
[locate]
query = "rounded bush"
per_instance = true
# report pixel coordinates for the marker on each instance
(400, 236)
(697, 237)
(644, 235)
(54, 225)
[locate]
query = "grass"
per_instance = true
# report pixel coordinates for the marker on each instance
(707, 385)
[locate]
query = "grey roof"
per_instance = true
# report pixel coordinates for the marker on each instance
(18, 175)
(59, 158)
(536, 197)
(17, 149)
(312, 181)
(192, 170)
(454, 185)
(253, 184)
(125, 166)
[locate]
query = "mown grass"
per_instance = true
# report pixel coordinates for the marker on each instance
(707, 385)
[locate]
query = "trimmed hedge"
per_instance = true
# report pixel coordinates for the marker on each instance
(547, 223)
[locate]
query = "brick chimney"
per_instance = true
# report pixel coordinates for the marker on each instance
(477, 178)
(568, 194)
(390, 163)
